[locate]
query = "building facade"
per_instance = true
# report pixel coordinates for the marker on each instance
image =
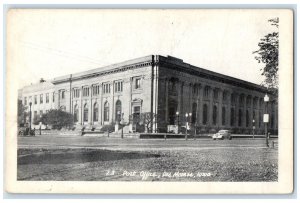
(170, 90)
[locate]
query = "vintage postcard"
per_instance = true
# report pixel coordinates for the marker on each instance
(149, 101)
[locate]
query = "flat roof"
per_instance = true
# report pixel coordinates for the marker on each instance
(169, 59)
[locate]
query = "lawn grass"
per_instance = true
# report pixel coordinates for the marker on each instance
(150, 164)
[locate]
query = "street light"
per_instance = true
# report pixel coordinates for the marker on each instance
(190, 122)
(122, 124)
(177, 114)
(186, 125)
(253, 127)
(30, 103)
(266, 118)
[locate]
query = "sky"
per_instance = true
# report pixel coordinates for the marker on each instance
(51, 43)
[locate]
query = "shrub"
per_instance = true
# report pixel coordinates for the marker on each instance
(109, 127)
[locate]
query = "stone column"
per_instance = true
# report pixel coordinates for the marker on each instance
(91, 109)
(167, 100)
(199, 105)
(179, 91)
(220, 108)
(210, 107)
(228, 110)
(237, 109)
(244, 112)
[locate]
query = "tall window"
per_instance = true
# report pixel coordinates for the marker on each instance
(76, 93)
(106, 111)
(206, 92)
(195, 89)
(136, 113)
(233, 98)
(224, 96)
(272, 119)
(240, 117)
(96, 112)
(85, 113)
(106, 88)
(215, 115)
(247, 118)
(118, 110)
(137, 84)
(25, 100)
(248, 101)
(241, 101)
(232, 117)
(223, 115)
(41, 98)
(47, 97)
(204, 120)
(41, 112)
(118, 86)
(62, 94)
(76, 113)
(216, 94)
(96, 89)
(194, 112)
(86, 91)
(35, 99)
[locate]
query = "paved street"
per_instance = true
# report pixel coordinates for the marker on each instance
(102, 158)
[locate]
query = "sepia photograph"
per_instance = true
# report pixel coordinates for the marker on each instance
(149, 101)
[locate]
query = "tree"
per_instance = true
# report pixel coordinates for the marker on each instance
(57, 119)
(21, 113)
(268, 54)
(143, 121)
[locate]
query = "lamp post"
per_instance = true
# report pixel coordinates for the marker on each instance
(122, 124)
(266, 118)
(186, 125)
(253, 127)
(177, 115)
(190, 122)
(30, 103)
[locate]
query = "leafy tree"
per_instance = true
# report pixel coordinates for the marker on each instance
(21, 112)
(58, 119)
(268, 55)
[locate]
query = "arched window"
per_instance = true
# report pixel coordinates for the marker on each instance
(76, 113)
(106, 111)
(204, 121)
(85, 113)
(215, 115)
(223, 115)
(96, 112)
(232, 120)
(118, 110)
(247, 118)
(194, 113)
(240, 117)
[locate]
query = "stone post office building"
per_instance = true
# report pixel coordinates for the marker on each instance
(161, 86)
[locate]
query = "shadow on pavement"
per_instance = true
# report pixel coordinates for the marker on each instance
(79, 156)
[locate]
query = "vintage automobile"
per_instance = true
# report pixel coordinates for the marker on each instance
(222, 134)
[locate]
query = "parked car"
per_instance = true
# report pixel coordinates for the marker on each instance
(222, 134)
